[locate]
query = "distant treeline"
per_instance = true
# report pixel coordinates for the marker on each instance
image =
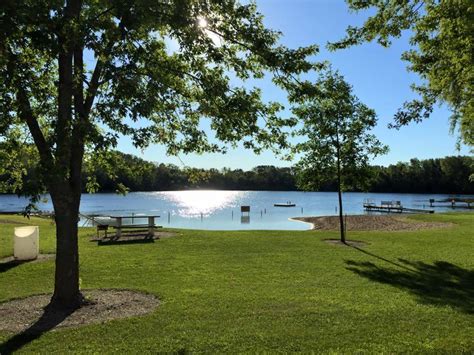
(448, 175)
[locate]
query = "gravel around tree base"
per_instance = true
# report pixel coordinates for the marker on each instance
(28, 315)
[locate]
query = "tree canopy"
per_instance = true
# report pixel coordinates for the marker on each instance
(442, 53)
(77, 75)
(334, 128)
(154, 61)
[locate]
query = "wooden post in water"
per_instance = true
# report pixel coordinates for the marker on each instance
(244, 209)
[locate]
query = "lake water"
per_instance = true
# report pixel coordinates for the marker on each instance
(220, 210)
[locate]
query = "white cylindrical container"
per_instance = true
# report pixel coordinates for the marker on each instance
(26, 243)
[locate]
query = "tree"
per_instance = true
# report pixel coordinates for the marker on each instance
(336, 144)
(160, 67)
(442, 53)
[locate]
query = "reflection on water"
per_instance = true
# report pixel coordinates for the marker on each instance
(191, 204)
(245, 219)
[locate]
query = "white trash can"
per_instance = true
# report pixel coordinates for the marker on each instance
(26, 243)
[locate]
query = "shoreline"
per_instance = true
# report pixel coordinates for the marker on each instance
(295, 219)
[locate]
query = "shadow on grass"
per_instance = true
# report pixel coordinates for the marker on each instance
(49, 320)
(125, 241)
(440, 283)
(4, 267)
(10, 263)
(400, 265)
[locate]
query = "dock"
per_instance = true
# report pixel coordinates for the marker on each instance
(452, 202)
(392, 207)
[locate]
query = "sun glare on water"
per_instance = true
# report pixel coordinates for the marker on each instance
(193, 203)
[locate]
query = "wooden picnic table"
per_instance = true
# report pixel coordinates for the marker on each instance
(119, 223)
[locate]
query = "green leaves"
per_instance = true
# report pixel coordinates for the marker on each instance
(442, 53)
(175, 89)
(335, 129)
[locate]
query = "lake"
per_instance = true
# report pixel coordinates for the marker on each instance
(220, 210)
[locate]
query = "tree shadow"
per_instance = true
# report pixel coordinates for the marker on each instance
(49, 320)
(440, 283)
(380, 258)
(10, 262)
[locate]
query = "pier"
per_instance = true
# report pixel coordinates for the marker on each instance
(392, 207)
(452, 202)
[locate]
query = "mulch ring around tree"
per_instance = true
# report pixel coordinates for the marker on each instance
(372, 222)
(28, 314)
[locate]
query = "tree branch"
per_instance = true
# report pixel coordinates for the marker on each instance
(26, 115)
(252, 50)
(93, 87)
(95, 82)
(81, 119)
(65, 89)
(103, 13)
(413, 11)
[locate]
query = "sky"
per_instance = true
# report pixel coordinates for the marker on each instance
(378, 76)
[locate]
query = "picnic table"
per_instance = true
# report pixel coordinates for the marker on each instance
(119, 226)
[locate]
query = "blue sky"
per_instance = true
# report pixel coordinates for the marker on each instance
(378, 75)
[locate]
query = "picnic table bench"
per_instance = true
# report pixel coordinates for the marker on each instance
(120, 227)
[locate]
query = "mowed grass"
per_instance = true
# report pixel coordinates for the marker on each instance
(271, 291)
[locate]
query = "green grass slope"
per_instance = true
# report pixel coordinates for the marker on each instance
(270, 291)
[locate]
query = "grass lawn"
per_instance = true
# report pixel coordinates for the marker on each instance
(271, 291)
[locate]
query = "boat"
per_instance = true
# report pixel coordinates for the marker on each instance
(287, 204)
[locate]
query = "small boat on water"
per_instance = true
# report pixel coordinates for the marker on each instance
(287, 204)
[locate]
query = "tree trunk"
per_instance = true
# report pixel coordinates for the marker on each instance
(339, 192)
(67, 294)
(65, 182)
(341, 219)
